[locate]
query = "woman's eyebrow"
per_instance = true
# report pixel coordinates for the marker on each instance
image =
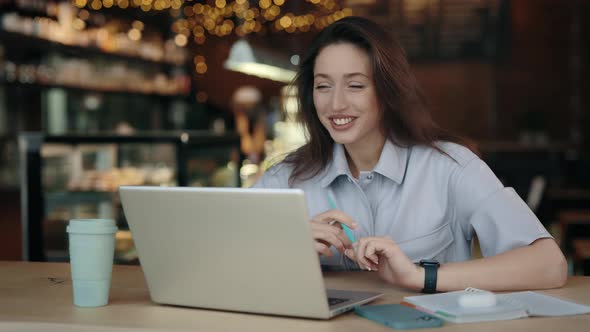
(355, 74)
(347, 75)
(321, 75)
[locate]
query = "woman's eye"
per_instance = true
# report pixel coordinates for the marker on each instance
(321, 86)
(356, 86)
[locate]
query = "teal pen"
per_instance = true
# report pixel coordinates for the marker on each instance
(346, 229)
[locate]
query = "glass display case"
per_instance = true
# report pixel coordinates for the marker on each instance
(66, 177)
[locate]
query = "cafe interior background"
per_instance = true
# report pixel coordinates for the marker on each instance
(95, 94)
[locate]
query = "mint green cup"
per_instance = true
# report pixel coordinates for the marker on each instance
(92, 247)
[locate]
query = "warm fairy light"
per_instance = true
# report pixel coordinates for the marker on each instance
(257, 26)
(96, 4)
(180, 40)
(209, 24)
(198, 59)
(285, 22)
(78, 24)
(264, 4)
(275, 10)
(220, 3)
(223, 17)
(134, 34)
(200, 40)
(198, 9)
(228, 11)
(201, 68)
(137, 25)
(80, 3)
(229, 23)
(278, 26)
(185, 31)
(176, 4)
(198, 30)
(249, 15)
(84, 14)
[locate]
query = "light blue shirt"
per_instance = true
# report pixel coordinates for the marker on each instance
(428, 203)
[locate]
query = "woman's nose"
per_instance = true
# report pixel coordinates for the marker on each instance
(339, 99)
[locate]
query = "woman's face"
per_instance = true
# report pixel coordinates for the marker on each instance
(344, 95)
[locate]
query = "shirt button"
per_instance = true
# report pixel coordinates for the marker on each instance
(370, 177)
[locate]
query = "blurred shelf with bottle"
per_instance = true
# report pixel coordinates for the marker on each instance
(78, 176)
(74, 69)
(109, 92)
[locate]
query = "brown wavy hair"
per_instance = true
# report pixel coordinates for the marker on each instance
(405, 117)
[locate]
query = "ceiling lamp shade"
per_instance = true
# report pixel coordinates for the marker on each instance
(257, 62)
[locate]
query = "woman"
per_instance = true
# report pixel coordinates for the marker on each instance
(411, 192)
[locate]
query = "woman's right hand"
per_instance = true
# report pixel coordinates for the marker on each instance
(328, 232)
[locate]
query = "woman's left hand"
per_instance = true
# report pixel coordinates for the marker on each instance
(386, 257)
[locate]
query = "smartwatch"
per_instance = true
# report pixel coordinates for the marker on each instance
(430, 272)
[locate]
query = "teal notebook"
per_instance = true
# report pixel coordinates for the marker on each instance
(398, 316)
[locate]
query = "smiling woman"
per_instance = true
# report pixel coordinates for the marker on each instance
(346, 101)
(414, 195)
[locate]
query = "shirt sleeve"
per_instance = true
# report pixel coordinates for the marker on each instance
(276, 177)
(499, 217)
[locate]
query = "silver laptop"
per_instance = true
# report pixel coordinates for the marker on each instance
(246, 250)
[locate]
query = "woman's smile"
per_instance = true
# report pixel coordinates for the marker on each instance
(342, 123)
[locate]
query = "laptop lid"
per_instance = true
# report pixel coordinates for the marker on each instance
(247, 250)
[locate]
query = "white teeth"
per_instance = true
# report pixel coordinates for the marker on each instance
(342, 121)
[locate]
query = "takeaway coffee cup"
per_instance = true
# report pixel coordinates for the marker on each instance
(92, 247)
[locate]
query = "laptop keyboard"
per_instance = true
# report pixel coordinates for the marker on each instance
(334, 301)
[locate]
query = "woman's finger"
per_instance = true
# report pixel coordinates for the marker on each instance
(371, 252)
(331, 215)
(331, 234)
(350, 253)
(323, 249)
(360, 253)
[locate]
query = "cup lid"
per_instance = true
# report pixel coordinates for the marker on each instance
(92, 226)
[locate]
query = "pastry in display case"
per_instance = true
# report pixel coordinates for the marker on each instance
(71, 177)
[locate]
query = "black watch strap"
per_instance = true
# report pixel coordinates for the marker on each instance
(430, 275)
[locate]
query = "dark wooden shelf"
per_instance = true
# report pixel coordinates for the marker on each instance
(90, 89)
(21, 41)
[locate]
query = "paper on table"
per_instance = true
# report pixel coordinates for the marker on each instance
(509, 306)
(538, 304)
(446, 306)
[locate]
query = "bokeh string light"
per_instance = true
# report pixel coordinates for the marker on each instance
(197, 21)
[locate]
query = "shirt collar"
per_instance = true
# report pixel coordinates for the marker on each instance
(392, 164)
